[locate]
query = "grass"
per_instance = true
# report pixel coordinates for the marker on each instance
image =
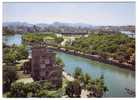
(48, 38)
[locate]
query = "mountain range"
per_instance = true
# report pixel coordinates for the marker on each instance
(58, 27)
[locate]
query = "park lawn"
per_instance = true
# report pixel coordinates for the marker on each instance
(48, 38)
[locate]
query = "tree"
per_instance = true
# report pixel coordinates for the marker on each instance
(9, 76)
(18, 90)
(86, 80)
(105, 45)
(77, 72)
(59, 61)
(77, 88)
(14, 53)
(10, 56)
(39, 37)
(34, 89)
(25, 90)
(97, 87)
(69, 89)
(22, 52)
(73, 89)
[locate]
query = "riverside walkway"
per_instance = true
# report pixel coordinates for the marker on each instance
(67, 76)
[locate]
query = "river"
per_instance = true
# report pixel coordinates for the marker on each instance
(117, 79)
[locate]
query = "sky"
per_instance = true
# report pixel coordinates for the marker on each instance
(89, 13)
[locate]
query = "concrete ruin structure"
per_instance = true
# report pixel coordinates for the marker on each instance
(44, 65)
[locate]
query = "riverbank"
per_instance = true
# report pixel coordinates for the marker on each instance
(96, 58)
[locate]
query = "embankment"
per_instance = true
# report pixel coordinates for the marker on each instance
(96, 58)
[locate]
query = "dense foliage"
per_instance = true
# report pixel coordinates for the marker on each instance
(77, 72)
(34, 89)
(13, 53)
(96, 87)
(39, 37)
(59, 61)
(9, 76)
(73, 89)
(117, 46)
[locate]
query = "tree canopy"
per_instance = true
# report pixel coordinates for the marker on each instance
(34, 89)
(9, 76)
(96, 87)
(117, 46)
(37, 37)
(14, 53)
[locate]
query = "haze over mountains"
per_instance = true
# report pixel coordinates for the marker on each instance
(56, 24)
(58, 27)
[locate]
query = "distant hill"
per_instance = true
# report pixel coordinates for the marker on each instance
(17, 24)
(58, 27)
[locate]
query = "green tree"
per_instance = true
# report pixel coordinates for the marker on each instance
(86, 80)
(34, 89)
(59, 61)
(77, 72)
(106, 45)
(10, 57)
(73, 89)
(9, 76)
(14, 53)
(18, 90)
(97, 87)
(22, 52)
(69, 89)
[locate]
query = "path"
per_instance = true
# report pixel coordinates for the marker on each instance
(67, 76)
